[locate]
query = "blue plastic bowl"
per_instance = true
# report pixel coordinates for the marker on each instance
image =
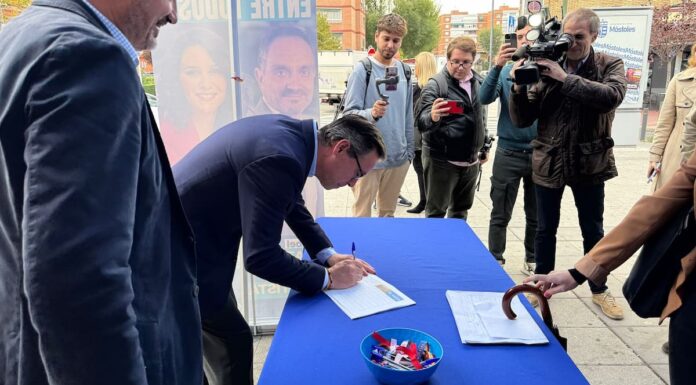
(391, 376)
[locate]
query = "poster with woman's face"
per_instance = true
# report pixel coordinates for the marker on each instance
(279, 65)
(193, 80)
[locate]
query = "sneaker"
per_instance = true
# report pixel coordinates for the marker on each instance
(665, 347)
(404, 202)
(532, 299)
(501, 261)
(608, 305)
(528, 268)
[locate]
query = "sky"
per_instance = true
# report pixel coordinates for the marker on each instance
(473, 6)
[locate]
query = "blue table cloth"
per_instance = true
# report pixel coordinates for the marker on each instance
(316, 343)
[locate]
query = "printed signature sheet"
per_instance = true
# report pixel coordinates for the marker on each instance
(480, 319)
(371, 295)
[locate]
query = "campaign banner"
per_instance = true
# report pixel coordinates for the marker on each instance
(276, 45)
(229, 59)
(193, 75)
(625, 33)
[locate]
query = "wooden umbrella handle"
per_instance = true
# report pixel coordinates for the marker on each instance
(543, 302)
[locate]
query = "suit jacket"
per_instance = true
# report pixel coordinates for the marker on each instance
(646, 216)
(96, 257)
(243, 181)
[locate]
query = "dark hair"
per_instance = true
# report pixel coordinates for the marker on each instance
(392, 23)
(276, 33)
(167, 74)
(363, 136)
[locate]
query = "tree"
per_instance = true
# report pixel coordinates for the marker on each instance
(374, 9)
(484, 41)
(423, 29)
(325, 39)
(12, 8)
(673, 29)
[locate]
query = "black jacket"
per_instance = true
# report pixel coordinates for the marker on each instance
(454, 137)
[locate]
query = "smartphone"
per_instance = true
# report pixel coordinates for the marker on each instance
(390, 73)
(456, 107)
(511, 38)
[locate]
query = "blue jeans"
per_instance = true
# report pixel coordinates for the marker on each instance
(589, 200)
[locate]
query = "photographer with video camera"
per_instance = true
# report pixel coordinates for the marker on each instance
(574, 104)
(452, 123)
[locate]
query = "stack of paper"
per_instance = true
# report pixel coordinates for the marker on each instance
(480, 319)
(370, 296)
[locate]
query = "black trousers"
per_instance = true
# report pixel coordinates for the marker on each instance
(682, 338)
(589, 200)
(418, 167)
(449, 188)
(509, 167)
(228, 347)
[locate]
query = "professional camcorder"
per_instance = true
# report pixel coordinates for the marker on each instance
(549, 43)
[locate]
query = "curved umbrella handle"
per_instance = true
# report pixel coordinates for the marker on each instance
(543, 302)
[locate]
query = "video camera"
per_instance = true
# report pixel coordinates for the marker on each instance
(549, 43)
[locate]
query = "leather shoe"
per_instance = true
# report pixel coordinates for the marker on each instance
(418, 209)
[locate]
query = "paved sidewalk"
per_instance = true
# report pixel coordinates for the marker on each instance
(606, 351)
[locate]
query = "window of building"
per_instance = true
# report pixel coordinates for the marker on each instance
(338, 35)
(333, 15)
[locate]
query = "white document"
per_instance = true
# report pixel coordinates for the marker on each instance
(480, 319)
(371, 295)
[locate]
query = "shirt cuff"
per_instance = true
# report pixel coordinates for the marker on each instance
(325, 254)
(326, 279)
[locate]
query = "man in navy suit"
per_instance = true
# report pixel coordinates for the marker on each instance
(244, 181)
(96, 257)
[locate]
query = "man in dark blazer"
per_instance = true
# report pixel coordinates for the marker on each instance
(244, 181)
(96, 257)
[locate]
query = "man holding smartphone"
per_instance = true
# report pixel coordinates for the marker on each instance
(452, 122)
(394, 118)
(513, 158)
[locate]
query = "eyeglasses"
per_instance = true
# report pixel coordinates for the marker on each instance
(357, 162)
(461, 64)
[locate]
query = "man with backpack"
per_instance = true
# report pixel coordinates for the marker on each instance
(452, 123)
(393, 116)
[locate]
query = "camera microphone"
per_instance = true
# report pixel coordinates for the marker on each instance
(520, 53)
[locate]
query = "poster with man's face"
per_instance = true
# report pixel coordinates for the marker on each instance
(279, 65)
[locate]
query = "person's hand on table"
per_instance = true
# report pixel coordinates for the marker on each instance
(553, 283)
(367, 268)
(346, 273)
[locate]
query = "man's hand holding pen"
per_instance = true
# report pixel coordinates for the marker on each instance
(346, 270)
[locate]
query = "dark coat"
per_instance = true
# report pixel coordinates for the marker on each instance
(244, 181)
(96, 257)
(574, 144)
(454, 137)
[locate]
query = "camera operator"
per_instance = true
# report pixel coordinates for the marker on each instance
(452, 141)
(574, 104)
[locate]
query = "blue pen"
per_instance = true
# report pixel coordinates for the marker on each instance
(353, 251)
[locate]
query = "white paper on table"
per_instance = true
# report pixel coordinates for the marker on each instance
(371, 295)
(480, 319)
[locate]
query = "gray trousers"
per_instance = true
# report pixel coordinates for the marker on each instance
(449, 189)
(509, 167)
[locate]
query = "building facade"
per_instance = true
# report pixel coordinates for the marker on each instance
(347, 21)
